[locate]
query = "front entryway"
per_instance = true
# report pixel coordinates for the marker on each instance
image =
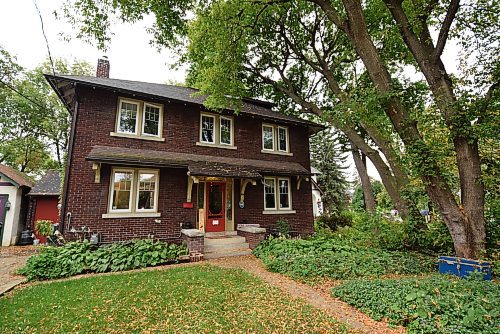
(3, 214)
(216, 207)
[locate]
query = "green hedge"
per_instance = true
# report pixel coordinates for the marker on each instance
(79, 257)
(329, 257)
(437, 304)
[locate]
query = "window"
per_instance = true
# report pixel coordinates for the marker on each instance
(133, 190)
(139, 119)
(269, 194)
(217, 131)
(151, 120)
(268, 137)
(275, 139)
(280, 199)
(225, 131)
(282, 139)
(207, 129)
(128, 117)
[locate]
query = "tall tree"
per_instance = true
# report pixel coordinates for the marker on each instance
(344, 61)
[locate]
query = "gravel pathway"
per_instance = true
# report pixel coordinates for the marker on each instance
(316, 296)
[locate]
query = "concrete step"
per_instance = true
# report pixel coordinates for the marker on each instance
(220, 234)
(224, 240)
(235, 252)
(225, 247)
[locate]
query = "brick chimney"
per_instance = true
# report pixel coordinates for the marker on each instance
(102, 68)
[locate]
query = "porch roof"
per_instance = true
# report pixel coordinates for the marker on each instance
(197, 164)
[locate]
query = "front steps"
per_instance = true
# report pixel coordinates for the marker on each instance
(225, 244)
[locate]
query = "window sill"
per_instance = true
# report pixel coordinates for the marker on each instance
(126, 135)
(227, 147)
(277, 153)
(278, 212)
(132, 215)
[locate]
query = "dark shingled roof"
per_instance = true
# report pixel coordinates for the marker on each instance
(17, 177)
(49, 184)
(198, 165)
(179, 93)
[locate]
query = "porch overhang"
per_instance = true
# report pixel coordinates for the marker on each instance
(197, 164)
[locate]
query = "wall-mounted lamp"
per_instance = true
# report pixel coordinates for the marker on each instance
(7, 205)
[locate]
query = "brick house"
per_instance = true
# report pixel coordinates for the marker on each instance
(146, 159)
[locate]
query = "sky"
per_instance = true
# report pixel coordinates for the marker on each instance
(130, 54)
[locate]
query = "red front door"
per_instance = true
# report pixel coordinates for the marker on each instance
(216, 207)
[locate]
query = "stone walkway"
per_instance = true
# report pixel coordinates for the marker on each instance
(11, 259)
(317, 297)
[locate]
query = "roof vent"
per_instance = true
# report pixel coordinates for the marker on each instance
(102, 67)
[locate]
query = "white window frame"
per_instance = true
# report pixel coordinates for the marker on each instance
(112, 190)
(278, 139)
(134, 193)
(157, 176)
(160, 119)
(274, 141)
(289, 193)
(214, 129)
(137, 117)
(231, 130)
(275, 202)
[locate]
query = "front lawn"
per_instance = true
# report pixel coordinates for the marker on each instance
(193, 299)
(437, 304)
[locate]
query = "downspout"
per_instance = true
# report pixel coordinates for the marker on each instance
(68, 164)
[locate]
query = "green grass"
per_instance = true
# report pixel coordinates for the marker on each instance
(198, 299)
(436, 304)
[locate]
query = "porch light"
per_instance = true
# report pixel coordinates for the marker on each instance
(7, 205)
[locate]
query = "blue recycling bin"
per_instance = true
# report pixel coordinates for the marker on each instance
(463, 267)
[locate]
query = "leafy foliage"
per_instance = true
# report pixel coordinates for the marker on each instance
(330, 257)
(283, 227)
(78, 257)
(44, 227)
(436, 304)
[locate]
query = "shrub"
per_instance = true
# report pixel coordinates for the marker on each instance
(283, 227)
(428, 305)
(332, 222)
(78, 257)
(44, 227)
(334, 258)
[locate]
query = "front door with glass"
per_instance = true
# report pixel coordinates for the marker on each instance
(216, 207)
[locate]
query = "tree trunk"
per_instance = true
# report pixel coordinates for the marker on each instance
(368, 198)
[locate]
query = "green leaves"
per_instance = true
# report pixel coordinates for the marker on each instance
(78, 257)
(436, 304)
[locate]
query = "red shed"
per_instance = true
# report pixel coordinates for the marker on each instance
(45, 198)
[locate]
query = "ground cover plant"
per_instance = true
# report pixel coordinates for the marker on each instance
(333, 258)
(79, 257)
(437, 304)
(190, 299)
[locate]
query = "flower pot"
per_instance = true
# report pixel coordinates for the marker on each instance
(36, 242)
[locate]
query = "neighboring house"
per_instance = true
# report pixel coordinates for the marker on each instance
(44, 199)
(14, 186)
(316, 193)
(146, 158)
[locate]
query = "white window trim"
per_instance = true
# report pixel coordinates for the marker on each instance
(157, 176)
(118, 118)
(112, 190)
(287, 150)
(275, 202)
(134, 195)
(214, 129)
(264, 125)
(277, 209)
(289, 194)
(160, 119)
(231, 140)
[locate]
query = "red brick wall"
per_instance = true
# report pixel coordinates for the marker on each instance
(87, 200)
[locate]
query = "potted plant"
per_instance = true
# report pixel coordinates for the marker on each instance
(44, 228)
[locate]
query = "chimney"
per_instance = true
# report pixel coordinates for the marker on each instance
(102, 68)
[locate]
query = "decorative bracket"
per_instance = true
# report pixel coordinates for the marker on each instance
(191, 180)
(97, 168)
(243, 186)
(299, 180)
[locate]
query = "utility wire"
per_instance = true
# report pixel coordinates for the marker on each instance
(45, 36)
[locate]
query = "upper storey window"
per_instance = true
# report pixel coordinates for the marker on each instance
(275, 139)
(139, 119)
(216, 131)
